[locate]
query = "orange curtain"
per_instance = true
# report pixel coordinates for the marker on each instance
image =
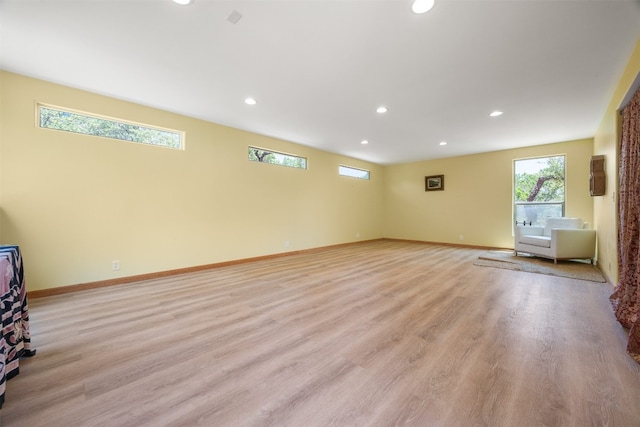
(626, 297)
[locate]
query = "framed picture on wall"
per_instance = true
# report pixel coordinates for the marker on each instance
(434, 183)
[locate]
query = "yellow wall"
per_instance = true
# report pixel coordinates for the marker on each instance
(606, 142)
(478, 197)
(75, 203)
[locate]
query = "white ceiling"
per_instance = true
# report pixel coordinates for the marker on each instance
(320, 68)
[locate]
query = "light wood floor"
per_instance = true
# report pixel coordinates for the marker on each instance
(375, 334)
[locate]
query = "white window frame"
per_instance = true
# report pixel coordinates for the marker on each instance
(351, 172)
(280, 158)
(539, 205)
(179, 134)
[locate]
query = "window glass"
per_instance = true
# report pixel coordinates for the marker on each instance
(539, 189)
(89, 124)
(353, 172)
(275, 158)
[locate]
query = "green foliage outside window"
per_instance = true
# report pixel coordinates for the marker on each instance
(540, 180)
(275, 158)
(53, 118)
(539, 190)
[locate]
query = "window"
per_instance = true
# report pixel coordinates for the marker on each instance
(353, 172)
(538, 189)
(89, 124)
(273, 157)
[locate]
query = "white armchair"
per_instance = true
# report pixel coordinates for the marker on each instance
(560, 238)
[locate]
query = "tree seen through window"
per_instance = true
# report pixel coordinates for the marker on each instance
(539, 189)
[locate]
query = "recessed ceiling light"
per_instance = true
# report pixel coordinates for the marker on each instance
(443, 143)
(183, 2)
(422, 6)
(381, 110)
(250, 101)
(364, 142)
(496, 113)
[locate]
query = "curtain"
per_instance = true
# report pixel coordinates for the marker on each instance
(626, 296)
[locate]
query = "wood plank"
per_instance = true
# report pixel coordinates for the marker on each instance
(374, 334)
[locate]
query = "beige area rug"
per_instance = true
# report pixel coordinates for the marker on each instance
(578, 269)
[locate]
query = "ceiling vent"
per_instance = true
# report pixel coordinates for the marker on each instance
(234, 17)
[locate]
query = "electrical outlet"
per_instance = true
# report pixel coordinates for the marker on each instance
(287, 244)
(115, 265)
(461, 237)
(357, 235)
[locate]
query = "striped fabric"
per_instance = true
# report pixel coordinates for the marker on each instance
(15, 340)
